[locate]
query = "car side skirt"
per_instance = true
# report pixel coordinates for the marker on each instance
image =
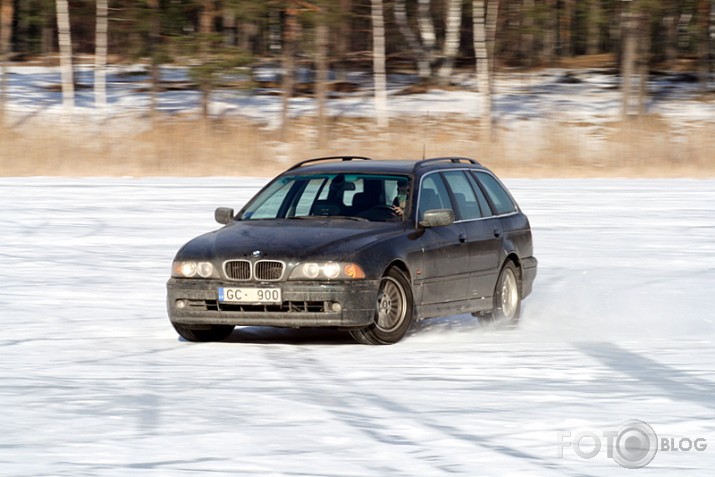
(435, 310)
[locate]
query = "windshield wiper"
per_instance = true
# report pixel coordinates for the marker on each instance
(349, 217)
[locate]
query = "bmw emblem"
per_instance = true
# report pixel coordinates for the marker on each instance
(256, 254)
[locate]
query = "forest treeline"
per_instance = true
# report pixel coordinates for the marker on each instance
(418, 32)
(429, 37)
(221, 42)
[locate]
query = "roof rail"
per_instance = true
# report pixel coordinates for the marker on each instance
(329, 158)
(453, 160)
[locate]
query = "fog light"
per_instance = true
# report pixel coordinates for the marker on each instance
(336, 307)
(180, 304)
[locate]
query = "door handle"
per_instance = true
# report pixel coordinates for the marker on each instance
(497, 233)
(462, 238)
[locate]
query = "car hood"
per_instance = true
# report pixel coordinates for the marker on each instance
(333, 239)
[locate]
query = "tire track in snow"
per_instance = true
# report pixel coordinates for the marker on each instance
(392, 431)
(423, 462)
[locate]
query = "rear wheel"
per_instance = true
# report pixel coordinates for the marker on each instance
(205, 333)
(393, 311)
(507, 299)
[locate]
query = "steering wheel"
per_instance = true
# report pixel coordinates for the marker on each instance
(383, 207)
(381, 212)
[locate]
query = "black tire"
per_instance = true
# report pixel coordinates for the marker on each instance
(393, 311)
(507, 299)
(204, 334)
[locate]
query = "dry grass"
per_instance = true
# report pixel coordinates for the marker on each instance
(643, 148)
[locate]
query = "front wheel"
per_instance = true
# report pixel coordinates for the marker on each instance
(393, 311)
(204, 334)
(507, 299)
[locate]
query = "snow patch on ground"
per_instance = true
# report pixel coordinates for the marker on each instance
(588, 98)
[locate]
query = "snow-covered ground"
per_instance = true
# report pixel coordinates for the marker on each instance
(94, 382)
(522, 100)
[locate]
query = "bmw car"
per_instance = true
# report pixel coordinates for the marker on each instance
(366, 246)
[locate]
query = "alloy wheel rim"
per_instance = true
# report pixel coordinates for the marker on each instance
(391, 309)
(509, 295)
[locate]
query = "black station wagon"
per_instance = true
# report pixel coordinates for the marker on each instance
(362, 245)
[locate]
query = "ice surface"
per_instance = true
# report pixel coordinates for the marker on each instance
(94, 382)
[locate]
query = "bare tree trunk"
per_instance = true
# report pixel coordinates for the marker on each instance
(245, 33)
(25, 21)
(275, 31)
(230, 29)
(426, 29)
(451, 41)
(6, 15)
(100, 55)
(711, 36)
(48, 32)
(207, 16)
(670, 23)
(342, 40)
(321, 60)
(206, 28)
(643, 59)
(423, 64)
(628, 61)
(593, 43)
(548, 52)
(289, 44)
(683, 30)
(527, 40)
(565, 20)
(704, 11)
(481, 53)
(154, 39)
(491, 28)
(378, 63)
(65, 41)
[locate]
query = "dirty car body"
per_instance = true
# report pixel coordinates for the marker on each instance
(362, 245)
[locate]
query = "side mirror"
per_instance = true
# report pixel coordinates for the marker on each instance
(223, 215)
(437, 218)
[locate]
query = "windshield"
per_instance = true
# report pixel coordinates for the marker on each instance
(357, 196)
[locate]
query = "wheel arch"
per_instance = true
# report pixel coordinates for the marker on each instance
(514, 258)
(402, 266)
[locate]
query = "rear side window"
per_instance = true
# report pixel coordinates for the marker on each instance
(497, 194)
(483, 202)
(466, 201)
(433, 195)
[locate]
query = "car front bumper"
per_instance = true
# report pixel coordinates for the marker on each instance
(305, 304)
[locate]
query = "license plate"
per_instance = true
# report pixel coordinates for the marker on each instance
(249, 295)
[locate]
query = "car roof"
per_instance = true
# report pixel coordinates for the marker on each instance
(348, 164)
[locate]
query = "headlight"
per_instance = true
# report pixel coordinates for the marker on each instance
(331, 270)
(311, 270)
(190, 269)
(327, 270)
